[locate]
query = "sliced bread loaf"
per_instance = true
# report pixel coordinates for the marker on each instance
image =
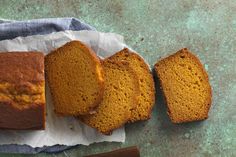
(185, 86)
(120, 97)
(75, 78)
(146, 98)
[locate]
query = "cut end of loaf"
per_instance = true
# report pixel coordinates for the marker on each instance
(185, 86)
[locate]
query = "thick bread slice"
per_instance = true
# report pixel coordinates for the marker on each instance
(146, 99)
(185, 85)
(75, 78)
(121, 91)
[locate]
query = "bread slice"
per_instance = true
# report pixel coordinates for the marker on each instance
(120, 96)
(146, 97)
(185, 86)
(76, 79)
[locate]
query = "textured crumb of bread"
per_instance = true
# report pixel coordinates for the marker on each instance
(75, 77)
(146, 99)
(121, 91)
(185, 86)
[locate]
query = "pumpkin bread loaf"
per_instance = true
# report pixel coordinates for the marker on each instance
(22, 91)
(146, 98)
(120, 97)
(185, 86)
(75, 78)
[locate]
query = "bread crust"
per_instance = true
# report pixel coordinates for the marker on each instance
(12, 117)
(20, 67)
(22, 91)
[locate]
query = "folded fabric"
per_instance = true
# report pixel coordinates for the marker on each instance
(12, 29)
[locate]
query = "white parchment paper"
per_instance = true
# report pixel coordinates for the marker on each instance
(62, 130)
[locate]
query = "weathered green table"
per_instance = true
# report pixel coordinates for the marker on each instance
(156, 28)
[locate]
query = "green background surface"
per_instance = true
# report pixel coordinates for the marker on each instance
(157, 28)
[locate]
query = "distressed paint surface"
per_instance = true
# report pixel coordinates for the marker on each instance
(155, 29)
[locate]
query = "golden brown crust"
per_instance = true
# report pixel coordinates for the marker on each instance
(98, 76)
(146, 99)
(206, 105)
(115, 109)
(17, 67)
(22, 91)
(12, 118)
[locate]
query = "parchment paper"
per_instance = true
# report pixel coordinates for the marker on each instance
(62, 130)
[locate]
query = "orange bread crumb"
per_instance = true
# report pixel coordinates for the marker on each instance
(75, 77)
(185, 85)
(146, 98)
(120, 97)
